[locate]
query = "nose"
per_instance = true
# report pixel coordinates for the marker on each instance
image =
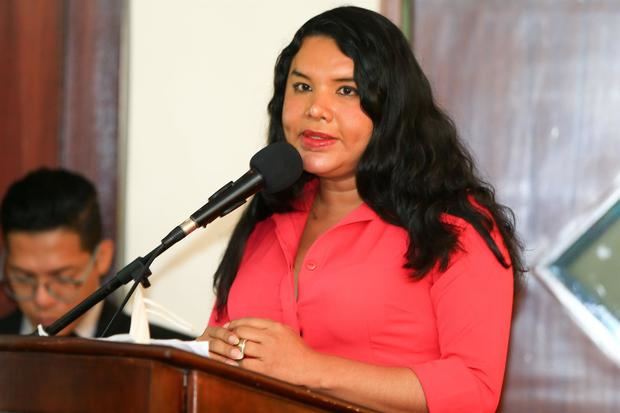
(320, 108)
(42, 296)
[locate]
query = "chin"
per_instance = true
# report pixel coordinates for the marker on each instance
(319, 172)
(316, 163)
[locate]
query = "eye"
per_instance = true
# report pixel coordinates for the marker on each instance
(21, 278)
(66, 279)
(347, 91)
(301, 87)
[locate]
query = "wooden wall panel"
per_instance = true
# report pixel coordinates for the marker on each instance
(60, 91)
(90, 117)
(31, 46)
(534, 87)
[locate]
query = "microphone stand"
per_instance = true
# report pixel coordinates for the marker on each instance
(223, 201)
(137, 270)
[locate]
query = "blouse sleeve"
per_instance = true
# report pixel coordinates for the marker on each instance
(472, 300)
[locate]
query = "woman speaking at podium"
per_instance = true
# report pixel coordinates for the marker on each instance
(385, 275)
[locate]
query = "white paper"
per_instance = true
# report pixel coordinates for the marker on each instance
(197, 347)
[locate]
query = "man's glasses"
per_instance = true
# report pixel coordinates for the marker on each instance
(23, 287)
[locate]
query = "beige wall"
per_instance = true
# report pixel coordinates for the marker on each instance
(199, 79)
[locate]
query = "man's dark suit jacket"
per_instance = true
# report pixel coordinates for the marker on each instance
(11, 324)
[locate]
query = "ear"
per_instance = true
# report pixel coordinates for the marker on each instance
(105, 253)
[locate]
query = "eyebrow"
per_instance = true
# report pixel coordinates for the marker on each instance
(54, 273)
(300, 74)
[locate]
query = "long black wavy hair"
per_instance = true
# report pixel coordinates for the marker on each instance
(414, 169)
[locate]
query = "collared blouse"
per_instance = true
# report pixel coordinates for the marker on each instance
(356, 300)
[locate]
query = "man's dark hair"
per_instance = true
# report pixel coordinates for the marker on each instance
(48, 199)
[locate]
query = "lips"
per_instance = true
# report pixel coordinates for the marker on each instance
(316, 135)
(316, 140)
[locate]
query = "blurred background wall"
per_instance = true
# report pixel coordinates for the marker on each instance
(163, 102)
(534, 88)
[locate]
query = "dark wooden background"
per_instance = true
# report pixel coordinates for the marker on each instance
(59, 91)
(533, 85)
(59, 94)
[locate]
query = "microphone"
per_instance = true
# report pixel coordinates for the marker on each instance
(273, 168)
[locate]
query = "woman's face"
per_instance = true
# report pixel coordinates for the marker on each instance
(322, 116)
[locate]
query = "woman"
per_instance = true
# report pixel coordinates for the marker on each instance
(385, 275)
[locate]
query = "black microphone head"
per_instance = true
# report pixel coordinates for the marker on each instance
(279, 164)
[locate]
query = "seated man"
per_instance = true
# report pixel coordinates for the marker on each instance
(56, 256)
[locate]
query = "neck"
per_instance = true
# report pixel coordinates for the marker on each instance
(336, 196)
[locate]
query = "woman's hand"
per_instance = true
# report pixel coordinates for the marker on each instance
(222, 344)
(275, 349)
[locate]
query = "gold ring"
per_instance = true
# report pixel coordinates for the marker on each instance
(241, 346)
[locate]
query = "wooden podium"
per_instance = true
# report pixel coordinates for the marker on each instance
(55, 374)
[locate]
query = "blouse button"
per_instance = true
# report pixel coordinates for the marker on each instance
(311, 265)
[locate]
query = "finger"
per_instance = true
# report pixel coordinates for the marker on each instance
(257, 335)
(226, 360)
(252, 349)
(220, 333)
(251, 364)
(251, 322)
(224, 349)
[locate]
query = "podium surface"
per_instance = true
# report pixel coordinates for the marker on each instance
(55, 374)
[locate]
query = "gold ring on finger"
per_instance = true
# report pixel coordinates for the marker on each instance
(241, 346)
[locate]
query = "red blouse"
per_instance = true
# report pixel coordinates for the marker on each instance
(356, 300)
